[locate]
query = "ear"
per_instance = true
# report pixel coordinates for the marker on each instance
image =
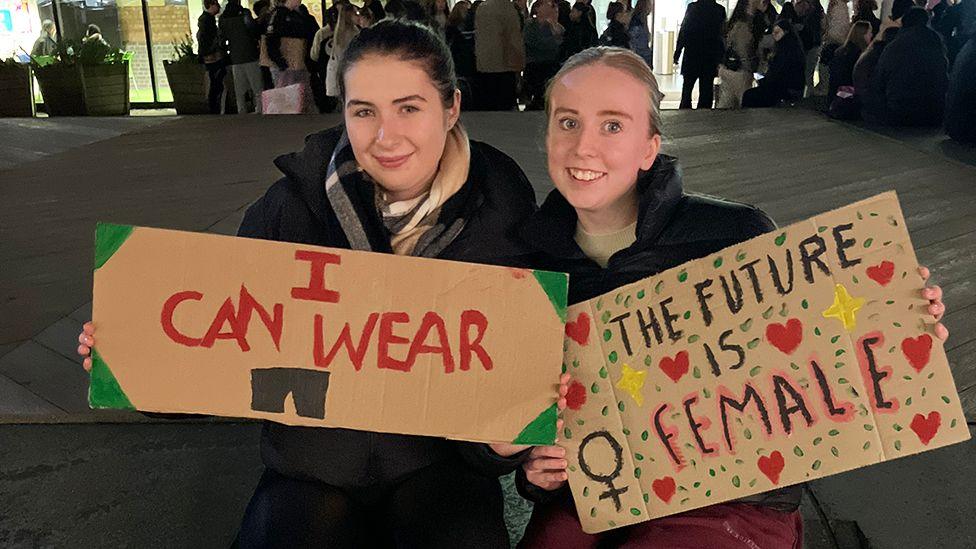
(653, 147)
(454, 112)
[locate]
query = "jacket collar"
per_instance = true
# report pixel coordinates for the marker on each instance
(552, 229)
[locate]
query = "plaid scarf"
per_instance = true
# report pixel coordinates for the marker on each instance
(414, 227)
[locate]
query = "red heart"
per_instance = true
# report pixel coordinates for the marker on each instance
(664, 488)
(785, 338)
(579, 330)
(917, 350)
(882, 273)
(676, 367)
(575, 396)
(772, 466)
(926, 427)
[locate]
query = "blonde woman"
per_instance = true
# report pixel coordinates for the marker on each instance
(346, 29)
(619, 214)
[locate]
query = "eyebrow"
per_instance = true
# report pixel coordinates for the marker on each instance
(360, 102)
(618, 114)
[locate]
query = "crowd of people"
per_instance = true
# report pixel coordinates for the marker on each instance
(913, 68)
(505, 51)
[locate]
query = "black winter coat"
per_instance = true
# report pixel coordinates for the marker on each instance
(208, 37)
(672, 228)
(960, 119)
(909, 84)
(579, 36)
(785, 75)
(495, 200)
(240, 30)
(701, 38)
(811, 32)
(615, 35)
(842, 69)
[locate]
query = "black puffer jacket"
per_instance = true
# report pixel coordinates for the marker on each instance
(495, 200)
(672, 228)
(909, 84)
(239, 28)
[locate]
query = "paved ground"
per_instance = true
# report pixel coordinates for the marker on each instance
(59, 176)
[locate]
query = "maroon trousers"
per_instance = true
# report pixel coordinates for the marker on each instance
(724, 526)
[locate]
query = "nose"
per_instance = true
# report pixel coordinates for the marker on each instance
(388, 133)
(586, 143)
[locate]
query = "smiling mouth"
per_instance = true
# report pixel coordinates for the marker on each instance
(392, 161)
(585, 176)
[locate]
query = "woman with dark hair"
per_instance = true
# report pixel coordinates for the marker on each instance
(580, 33)
(784, 79)
(399, 176)
(740, 60)
(616, 31)
(640, 33)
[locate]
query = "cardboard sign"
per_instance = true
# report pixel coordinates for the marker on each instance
(796, 355)
(305, 335)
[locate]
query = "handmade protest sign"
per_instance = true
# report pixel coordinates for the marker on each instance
(305, 335)
(796, 355)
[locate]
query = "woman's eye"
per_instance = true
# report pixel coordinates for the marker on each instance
(567, 124)
(613, 127)
(410, 109)
(363, 113)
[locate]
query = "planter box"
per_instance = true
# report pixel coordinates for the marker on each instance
(190, 85)
(78, 90)
(15, 91)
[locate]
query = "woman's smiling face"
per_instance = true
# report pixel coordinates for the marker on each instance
(397, 123)
(599, 137)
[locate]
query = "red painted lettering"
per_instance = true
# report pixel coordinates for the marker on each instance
(387, 338)
(356, 352)
(476, 319)
(419, 345)
(226, 315)
(166, 318)
(274, 324)
(316, 290)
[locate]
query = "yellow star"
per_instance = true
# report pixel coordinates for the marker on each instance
(844, 308)
(632, 381)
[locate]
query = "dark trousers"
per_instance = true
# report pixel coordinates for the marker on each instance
(496, 91)
(444, 505)
(215, 74)
(706, 90)
(761, 97)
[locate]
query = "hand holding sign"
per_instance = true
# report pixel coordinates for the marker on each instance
(799, 354)
(313, 336)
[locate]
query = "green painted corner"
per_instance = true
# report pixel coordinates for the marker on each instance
(556, 286)
(109, 237)
(541, 431)
(104, 390)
